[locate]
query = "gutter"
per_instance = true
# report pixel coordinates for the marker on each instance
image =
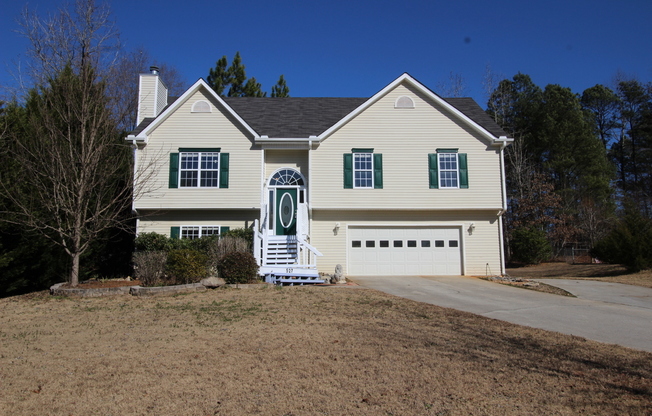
(504, 142)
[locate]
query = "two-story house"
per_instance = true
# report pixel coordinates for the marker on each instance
(404, 182)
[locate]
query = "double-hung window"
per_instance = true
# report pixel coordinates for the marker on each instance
(192, 232)
(448, 169)
(363, 169)
(199, 168)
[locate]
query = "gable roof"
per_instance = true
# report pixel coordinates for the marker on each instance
(467, 119)
(303, 117)
(292, 117)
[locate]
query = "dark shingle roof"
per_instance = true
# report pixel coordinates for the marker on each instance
(472, 110)
(302, 117)
(292, 117)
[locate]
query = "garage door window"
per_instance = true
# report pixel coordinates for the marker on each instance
(452, 243)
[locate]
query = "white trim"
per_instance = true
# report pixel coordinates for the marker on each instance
(406, 78)
(184, 97)
(181, 227)
(457, 171)
(269, 178)
(394, 209)
(353, 169)
(196, 208)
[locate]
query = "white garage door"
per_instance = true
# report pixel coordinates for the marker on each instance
(385, 251)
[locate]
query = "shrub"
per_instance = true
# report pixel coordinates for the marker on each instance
(238, 267)
(530, 245)
(152, 242)
(186, 266)
(629, 243)
(245, 233)
(149, 267)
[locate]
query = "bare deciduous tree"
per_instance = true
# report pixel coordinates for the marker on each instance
(454, 88)
(71, 175)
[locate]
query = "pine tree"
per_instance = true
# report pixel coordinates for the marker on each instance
(280, 90)
(234, 77)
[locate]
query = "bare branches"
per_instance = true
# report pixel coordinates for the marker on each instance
(81, 37)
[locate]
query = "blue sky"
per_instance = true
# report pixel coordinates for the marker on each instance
(354, 48)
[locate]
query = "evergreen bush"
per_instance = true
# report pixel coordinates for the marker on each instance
(185, 266)
(629, 243)
(530, 245)
(238, 267)
(152, 242)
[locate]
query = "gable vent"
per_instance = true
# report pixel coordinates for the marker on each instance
(201, 107)
(404, 102)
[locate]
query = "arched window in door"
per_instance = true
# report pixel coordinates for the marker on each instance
(286, 177)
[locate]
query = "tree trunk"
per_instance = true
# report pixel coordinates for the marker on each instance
(74, 273)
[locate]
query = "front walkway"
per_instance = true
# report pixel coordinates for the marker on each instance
(615, 313)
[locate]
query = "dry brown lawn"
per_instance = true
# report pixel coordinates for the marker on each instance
(300, 351)
(603, 272)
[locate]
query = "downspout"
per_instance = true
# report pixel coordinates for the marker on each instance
(134, 148)
(503, 145)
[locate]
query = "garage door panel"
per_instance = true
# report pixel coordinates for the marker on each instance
(399, 251)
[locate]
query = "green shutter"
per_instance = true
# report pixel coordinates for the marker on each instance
(174, 170)
(433, 173)
(224, 230)
(378, 171)
(348, 170)
(224, 170)
(175, 232)
(464, 172)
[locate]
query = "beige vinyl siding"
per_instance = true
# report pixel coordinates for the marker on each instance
(162, 223)
(481, 248)
(200, 130)
(284, 158)
(405, 137)
(147, 94)
(161, 96)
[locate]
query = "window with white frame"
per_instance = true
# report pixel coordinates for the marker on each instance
(448, 170)
(192, 232)
(363, 170)
(199, 169)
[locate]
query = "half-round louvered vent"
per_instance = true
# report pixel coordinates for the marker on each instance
(404, 102)
(201, 107)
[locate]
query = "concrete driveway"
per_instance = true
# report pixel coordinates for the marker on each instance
(606, 312)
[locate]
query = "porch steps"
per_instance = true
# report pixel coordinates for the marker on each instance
(293, 277)
(280, 263)
(281, 250)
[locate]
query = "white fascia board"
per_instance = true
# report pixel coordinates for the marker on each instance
(407, 78)
(399, 209)
(184, 97)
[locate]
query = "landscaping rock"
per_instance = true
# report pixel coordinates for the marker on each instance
(58, 290)
(213, 282)
(166, 290)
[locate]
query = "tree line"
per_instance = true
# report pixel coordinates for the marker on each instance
(67, 175)
(578, 173)
(579, 170)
